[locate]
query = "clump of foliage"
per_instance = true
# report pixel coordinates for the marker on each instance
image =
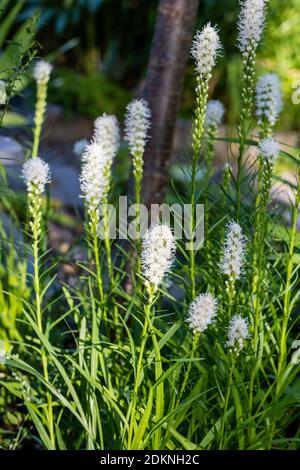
(163, 342)
(88, 94)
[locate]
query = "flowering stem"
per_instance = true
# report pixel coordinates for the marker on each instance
(260, 230)
(247, 94)
(35, 204)
(138, 185)
(139, 372)
(226, 403)
(287, 291)
(40, 109)
(93, 227)
(198, 126)
(107, 246)
(187, 374)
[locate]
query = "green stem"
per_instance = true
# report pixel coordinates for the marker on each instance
(35, 203)
(40, 109)
(139, 374)
(287, 293)
(228, 392)
(247, 94)
(187, 374)
(198, 127)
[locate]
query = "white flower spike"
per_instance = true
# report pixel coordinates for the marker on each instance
(268, 98)
(36, 174)
(251, 24)
(205, 49)
(238, 332)
(233, 251)
(137, 125)
(269, 149)
(107, 134)
(202, 312)
(158, 252)
(93, 176)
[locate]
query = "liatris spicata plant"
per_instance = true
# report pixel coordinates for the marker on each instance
(231, 263)
(137, 125)
(94, 180)
(205, 49)
(268, 152)
(268, 103)
(213, 119)
(202, 312)
(80, 146)
(158, 253)
(41, 73)
(250, 26)
(3, 96)
(238, 332)
(36, 174)
(158, 249)
(107, 135)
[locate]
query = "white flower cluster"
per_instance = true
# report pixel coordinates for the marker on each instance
(233, 251)
(42, 72)
(250, 25)
(205, 48)
(36, 174)
(158, 252)
(137, 124)
(107, 134)
(269, 149)
(238, 332)
(214, 113)
(3, 95)
(202, 312)
(80, 146)
(268, 98)
(93, 176)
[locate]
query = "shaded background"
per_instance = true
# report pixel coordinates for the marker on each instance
(113, 39)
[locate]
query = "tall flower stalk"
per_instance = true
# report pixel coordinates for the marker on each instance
(137, 125)
(268, 152)
(36, 174)
(107, 136)
(93, 186)
(158, 252)
(250, 27)
(232, 260)
(268, 103)
(202, 313)
(205, 48)
(290, 275)
(41, 73)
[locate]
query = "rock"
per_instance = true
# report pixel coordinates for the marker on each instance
(11, 152)
(65, 185)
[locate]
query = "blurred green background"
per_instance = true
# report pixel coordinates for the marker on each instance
(107, 59)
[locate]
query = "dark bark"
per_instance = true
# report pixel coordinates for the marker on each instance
(163, 86)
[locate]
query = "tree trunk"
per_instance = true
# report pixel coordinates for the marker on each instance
(163, 86)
